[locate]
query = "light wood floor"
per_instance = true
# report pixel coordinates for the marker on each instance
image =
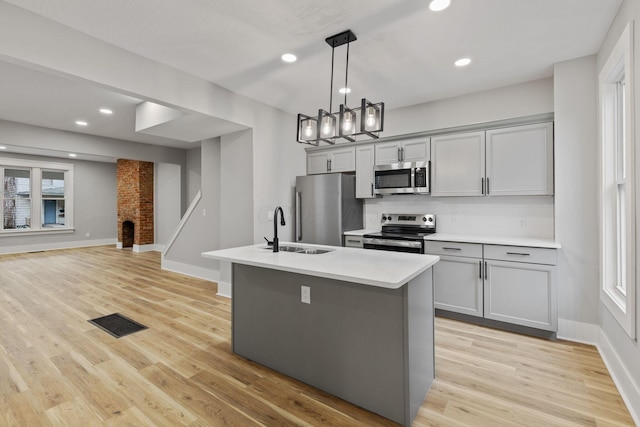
(58, 369)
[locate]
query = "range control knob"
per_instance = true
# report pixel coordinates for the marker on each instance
(384, 218)
(424, 219)
(430, 219)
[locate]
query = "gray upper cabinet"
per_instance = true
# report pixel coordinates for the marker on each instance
(512, 161)
(520, 160)
(333, 160)
(457, 164)
(365, 159)
(410, 150)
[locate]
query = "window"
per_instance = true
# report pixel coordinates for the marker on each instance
(617, 171)
(36, 197)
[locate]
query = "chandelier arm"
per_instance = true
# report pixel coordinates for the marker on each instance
(331, 87)
(346, 76)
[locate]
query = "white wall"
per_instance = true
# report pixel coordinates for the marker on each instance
(622, 353)
(576, 196)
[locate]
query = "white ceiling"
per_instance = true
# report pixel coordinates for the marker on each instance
(403, 56)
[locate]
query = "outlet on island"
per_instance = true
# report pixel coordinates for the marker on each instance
(305, 294)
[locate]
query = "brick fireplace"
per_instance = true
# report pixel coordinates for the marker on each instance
(135, 203)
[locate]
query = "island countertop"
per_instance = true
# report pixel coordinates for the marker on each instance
(383, 269)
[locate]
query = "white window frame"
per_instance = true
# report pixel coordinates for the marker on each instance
(36, 168)
(617, 184)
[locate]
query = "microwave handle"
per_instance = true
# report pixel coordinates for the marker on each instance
(298, 217)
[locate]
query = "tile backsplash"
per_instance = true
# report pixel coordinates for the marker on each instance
(509, 216)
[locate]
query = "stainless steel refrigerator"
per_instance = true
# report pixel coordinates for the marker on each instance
(326, 207)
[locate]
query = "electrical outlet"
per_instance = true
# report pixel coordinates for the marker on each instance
(204, 212)
(454, 216)
(523, 222)
(305, 294)
(87, 235)
(270, 216)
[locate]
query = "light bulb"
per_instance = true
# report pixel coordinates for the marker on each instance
(308, 131)
(326, 126)
(371, 117)
(348, 121)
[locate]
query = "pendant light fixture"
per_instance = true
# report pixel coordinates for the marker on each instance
(347, 123)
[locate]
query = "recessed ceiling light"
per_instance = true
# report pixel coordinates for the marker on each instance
(81, 123)
(462, 62)
(438, 5)
(2, 147)
(106, 111)
(289, 57)
(73, 155)
(344, 90)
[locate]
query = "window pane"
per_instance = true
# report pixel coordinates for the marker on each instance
(52, 185)
(52, 213)
(17, 183)
(16, 213)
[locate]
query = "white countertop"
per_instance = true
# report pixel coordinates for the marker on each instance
(383, 269)
(360, 232)
(494, 240)
(469, 238)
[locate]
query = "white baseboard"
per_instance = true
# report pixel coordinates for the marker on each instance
(36, 247)
(145, 248)
(629, 390)
(586, 333)
(224, 289)
(191, 270)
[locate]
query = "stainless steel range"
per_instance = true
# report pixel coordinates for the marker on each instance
(402, 233)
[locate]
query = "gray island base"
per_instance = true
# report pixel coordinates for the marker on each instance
(369, 345)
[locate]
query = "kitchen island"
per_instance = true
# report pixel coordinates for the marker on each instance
(363, 333)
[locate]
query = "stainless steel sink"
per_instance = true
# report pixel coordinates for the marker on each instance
(301, 250)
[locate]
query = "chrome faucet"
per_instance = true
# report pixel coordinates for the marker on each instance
(276, 248)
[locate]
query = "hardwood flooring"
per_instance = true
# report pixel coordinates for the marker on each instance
(57, 369)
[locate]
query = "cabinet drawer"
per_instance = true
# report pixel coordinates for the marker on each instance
(473, 250)
(520, 254)
(353, 242)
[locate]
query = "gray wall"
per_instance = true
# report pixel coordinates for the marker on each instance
(167, 201)
(201, 231)
(193, 175)
(95, 210)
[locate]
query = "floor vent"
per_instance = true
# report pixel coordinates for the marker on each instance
(117, 325)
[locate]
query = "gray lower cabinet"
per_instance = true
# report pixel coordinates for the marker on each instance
(457, 278)
(522, 293)
(509, 284)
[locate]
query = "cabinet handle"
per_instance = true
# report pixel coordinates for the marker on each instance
(451, 249)
(518, 253)
(372, 189)
(480, 269)
(486, 271)
(402, 153)
(353, 241)
(329, 165)
(487, 185)
(482, 185)
(399, 154)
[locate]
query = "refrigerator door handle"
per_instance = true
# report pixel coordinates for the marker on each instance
(298, 215)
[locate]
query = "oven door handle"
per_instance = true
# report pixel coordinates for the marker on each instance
(396, 243)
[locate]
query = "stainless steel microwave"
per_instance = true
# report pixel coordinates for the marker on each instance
(402, 178)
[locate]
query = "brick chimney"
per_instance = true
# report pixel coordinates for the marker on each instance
(135, 203)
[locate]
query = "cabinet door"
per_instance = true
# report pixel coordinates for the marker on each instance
(365, 156)
(387, 152)
(415, 151)
(457, 283)
(521, 293)
(317, 163)
(520, 160)
(342, 160)
(457, 165)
